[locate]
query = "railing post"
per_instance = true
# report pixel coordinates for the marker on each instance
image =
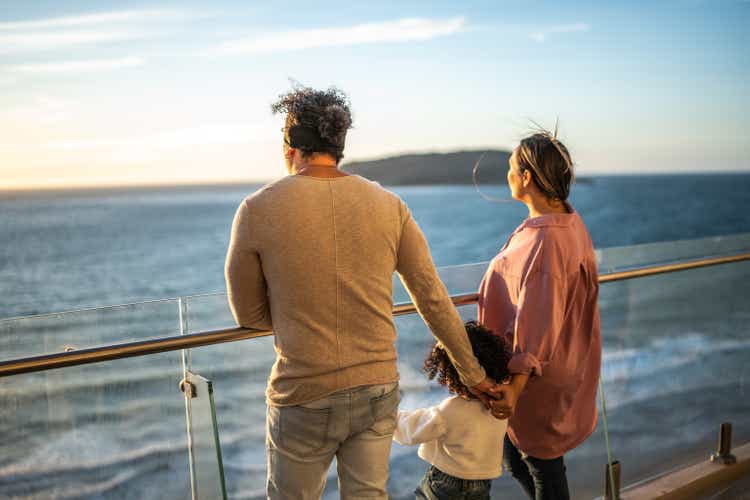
(612, 481)
(723, 454)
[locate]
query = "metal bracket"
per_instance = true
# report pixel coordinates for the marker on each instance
(188, 388)
(723, 454)
(612, 474)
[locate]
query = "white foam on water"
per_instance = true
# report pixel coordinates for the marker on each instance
(666, 366)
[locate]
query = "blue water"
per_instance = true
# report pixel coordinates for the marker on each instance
(64, 252)
(676, 347)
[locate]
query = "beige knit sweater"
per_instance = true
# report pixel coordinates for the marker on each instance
(313, 259)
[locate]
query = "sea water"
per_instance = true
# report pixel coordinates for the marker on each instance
(117, 429)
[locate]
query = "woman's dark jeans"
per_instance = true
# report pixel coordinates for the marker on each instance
(540, 479)
(437, 485)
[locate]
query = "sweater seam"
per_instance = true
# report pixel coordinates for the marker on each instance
(338, 282)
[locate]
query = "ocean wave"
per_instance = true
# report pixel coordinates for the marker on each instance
(663, 354)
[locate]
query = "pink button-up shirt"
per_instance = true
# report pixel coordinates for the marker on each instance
(541, 291)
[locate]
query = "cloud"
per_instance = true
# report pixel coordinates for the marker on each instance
(53, 33)
(542, 35)
(77, 66)
(390, 31)
(203, 135)
(44, 41)
(98, 18)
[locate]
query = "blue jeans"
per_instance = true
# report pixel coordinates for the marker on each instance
(541, 479)
(355, 426)
(437, 485)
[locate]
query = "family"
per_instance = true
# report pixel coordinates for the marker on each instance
(312, 257)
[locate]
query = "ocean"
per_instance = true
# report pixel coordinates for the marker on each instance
(676, 347)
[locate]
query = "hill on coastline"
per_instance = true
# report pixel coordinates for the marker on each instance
(433, 168)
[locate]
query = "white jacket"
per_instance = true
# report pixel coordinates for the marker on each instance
(460, 437)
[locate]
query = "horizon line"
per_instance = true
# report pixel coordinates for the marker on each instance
(189, 186)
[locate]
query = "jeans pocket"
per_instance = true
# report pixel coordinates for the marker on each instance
(300, 430)
(384, 410)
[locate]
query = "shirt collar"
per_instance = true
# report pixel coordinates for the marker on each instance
(550, 219)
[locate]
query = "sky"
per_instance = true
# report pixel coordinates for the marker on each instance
(97, 93)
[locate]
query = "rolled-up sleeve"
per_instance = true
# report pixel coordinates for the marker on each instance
(417, 272)
(539, 321)
(246, 285)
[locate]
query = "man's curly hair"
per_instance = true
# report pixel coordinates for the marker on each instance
(492, 352)
(327, 111)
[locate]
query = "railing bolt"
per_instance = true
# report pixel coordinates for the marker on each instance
(188, 388)
(610, 475)
(724, 454)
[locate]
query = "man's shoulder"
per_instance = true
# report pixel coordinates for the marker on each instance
(374, 187)
(267, 190)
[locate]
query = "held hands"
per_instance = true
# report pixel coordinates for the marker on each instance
(506, 396)
(505, 404)
(485, 391)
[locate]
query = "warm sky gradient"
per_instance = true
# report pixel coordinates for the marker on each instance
(103, 93)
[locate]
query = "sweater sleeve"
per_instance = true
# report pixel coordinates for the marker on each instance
(417, 272)
(246, 285)
(419, 426)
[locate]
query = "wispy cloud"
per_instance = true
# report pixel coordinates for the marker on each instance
(93, 28)
(77, 66)
(51, 109)
(97, 18)
(44, 41)
(203, 135)
(390, 31)
(543, 34)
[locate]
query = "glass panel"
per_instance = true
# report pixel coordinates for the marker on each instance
(457, 279)
(53, 333)
(619, 258)
(205, 450)
(238, 371)
(109, 430)
(675, 366)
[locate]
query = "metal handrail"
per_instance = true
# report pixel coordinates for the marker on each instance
(173, 343)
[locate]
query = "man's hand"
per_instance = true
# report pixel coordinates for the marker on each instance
(485, 391)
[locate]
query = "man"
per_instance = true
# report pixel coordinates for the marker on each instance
(312, 257)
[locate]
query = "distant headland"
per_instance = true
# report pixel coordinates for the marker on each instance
(433, 168)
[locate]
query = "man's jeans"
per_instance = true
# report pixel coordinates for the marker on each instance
(541, 479)
(355, 426)
(437, 485)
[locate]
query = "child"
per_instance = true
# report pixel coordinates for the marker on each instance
(460, 438)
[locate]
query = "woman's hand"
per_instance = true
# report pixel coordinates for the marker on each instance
(506, 396)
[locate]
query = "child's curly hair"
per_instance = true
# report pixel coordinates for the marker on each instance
(492, 352)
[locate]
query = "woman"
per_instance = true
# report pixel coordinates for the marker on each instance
(541, 291)
(312, 257)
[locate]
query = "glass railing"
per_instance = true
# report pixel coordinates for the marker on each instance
(675, 364)
(75, 330)
(106, 430)
(674, 368)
